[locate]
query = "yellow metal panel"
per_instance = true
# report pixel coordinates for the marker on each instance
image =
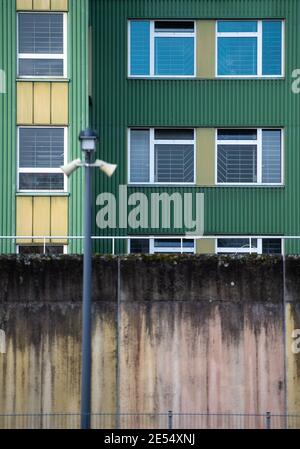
(206, 48)
(41, 5)
(24, 103)
(293, 362)
(24, 218)
(24, 5)
(205, 246)
(59, 5)
(41, 217)
(59, 218)
(59, 104)
(205, 166)
(42, 103)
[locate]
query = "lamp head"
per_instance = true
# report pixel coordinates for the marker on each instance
(107, 168)
(70, 167)
(88, 139)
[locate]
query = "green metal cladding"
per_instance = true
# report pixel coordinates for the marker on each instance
(79, 109)
(8, 124)
(119, 103)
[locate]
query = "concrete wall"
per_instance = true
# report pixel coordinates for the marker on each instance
(187, 333)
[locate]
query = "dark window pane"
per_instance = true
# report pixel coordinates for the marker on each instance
(174, 26)
(41, 33)
(139, 155)
(271, 156)
(41, 147)
(237, 134)
(233, 243)
(139, 246)
(237, 163)
(174, 163)
(39, 249)
(174, 134)
(41, 181)
(41, 67)
(271, 246)
(173, 243)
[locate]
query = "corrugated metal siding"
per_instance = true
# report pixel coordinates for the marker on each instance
(7, 123)
(78, 107)
(119, 102)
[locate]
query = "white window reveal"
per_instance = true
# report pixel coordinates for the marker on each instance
(41, 153)
(42, 44)
(162, 156)
(249, 156)
(161, 245)
(248, 245)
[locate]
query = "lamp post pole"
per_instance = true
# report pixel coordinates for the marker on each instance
(88, 139)
(86, 303)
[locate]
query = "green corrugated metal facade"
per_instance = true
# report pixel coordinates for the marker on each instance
(119, 102)
(78, 106)
(7, 123)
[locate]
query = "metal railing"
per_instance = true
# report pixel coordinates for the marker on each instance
(45, 240)
(168, 420)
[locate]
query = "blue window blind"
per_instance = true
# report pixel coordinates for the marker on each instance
(235, 26)
(271, 51)
(174, 56)
(271, 156)
(139, 155)
(237, 56)
(140, 47)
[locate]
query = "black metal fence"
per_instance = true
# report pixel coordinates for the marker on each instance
(168, 420)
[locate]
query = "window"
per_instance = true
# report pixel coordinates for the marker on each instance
(250, 48)
(161, 48)
(41, 249)
(161, 245)
(41, 44)
(161, 156)
(41, 153)
(249, 156)
(248, 245)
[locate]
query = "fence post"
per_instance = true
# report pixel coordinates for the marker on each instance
(170, 420)
(268, 420)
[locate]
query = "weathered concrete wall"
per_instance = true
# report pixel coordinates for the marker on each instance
(187, 333)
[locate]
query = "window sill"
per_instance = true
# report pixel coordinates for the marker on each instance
(46, 193)
(215, 78)
(45, 79)
(251, 185)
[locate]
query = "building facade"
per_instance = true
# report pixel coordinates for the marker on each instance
(191, 97)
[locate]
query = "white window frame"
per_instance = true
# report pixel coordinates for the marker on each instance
(257, 142)
(62, 56)
(169, 250)
(153, 35)
(258, 35)
(152, 143)
(245, 250)
(42, 170)
(65, 247)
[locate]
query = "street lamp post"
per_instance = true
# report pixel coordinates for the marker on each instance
(88, 140)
